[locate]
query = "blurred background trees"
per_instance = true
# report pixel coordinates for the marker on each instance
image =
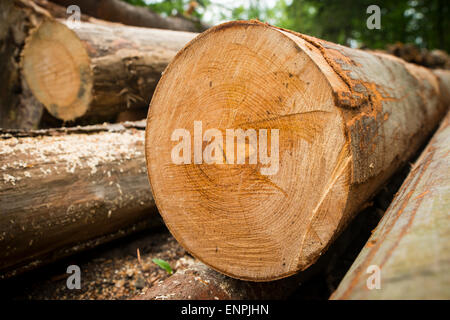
(421, 22)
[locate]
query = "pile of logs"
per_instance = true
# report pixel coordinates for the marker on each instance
(120, 11)
(65, 190)
(347, 120)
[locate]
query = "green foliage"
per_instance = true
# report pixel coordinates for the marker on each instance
(423, 22)
(163, 264)
(172, 7)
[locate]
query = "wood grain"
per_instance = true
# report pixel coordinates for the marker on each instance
(96, 71)
(18, 106)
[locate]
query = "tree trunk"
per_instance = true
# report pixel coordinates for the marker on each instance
(119, 11)
(96, 71)
(411, 245)
(64, 190)
(18, 107)
(340, 122)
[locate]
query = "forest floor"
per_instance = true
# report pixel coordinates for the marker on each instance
(112, 271)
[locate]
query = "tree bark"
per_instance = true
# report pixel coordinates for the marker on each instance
(96, 71)
(346, 120)
(198, 282)
(119, 11)
(60, 12)
(65, 190)
(411, 245)
(18, 107)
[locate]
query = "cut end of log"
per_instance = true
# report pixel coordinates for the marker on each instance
(56, 67)
(260, 220)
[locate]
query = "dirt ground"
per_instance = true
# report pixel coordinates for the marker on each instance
(112, 271)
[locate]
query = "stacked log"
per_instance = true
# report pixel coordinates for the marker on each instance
(66, 190)
(409, 250)
(434, 59)
(96, 71)
(90, 73)
(198, 282)
(346, 119)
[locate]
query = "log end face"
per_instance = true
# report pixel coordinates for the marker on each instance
(56, 67)
(246, 152)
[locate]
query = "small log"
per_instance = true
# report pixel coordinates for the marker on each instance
(96, 71)
(346, 119)
(18, 106)
(411, 245)
(119, 11)
(411, 53)
(65, 190)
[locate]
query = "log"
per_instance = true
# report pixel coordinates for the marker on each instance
(66, 190)
(18, 107)
(411, 244)
(96, 71)
(119, 11)
(341, 121)
(412, 53)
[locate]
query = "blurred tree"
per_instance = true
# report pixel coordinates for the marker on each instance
(422, 22)
(174, 7)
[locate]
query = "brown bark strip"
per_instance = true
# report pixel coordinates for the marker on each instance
(115, 127)
(60, 12)
(119, 11)
(411, 243)
(65, 190)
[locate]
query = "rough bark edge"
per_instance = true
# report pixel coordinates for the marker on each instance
(106, 127)
(122, 12)
(409, 197)
(18, 107)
